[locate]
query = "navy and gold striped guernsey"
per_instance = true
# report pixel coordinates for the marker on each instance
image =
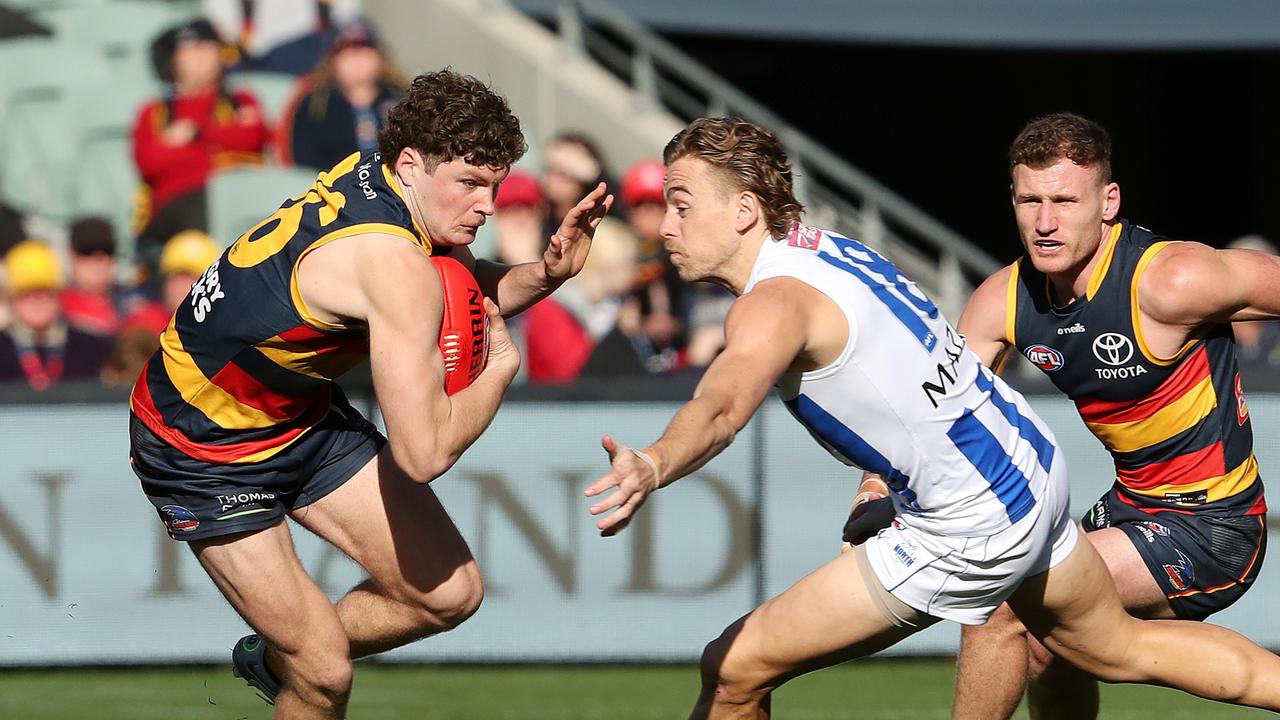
(244, 369)
(1177, 427)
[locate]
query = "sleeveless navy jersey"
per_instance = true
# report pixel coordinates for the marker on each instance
(1177, 427)
(244, 369)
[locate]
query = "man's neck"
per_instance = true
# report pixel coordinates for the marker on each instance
(738, 268)
(1067, 286)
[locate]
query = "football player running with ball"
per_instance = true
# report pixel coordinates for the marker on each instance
(236, 420)
(869, 366)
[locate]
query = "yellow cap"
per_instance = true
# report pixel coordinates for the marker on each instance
(32, 265)
(190, 251)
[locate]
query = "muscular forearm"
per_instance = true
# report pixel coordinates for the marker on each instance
(470, 412)
(514, 287)
(699, 432)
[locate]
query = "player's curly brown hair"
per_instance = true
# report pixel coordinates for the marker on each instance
(1049, 138)
(748, 157)
(447, 115)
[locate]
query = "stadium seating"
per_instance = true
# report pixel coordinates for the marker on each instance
(120, 33)
(273, 90)
(39, 80)
(240, 198)
(106, 179)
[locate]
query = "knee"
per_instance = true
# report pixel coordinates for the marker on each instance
(1040, 662)
(1001, 629)
(320, 672)
(452, 603)
(730, 678)
(1005, 622)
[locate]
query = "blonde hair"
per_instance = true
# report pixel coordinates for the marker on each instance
(747, 157)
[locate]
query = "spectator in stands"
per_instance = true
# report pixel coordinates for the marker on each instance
(184, 259)
(196, 128)
(655, 314)
(6, 312)
(342, 106)
(39, 347)
(90, 302)
(571, 166)
(11, 232)
(563, 332)
(281, 36)
(519, 211)
(1257, 343)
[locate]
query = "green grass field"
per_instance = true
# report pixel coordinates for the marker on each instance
(870, 690)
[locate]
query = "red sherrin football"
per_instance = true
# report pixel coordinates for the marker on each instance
(464, 329)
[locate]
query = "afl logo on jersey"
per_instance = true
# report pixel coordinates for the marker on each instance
(1044, 357)
(1112, 348)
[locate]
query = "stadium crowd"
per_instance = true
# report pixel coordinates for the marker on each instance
(74, 307)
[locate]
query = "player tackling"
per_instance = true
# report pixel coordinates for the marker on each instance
(236, 421)
(870, 367)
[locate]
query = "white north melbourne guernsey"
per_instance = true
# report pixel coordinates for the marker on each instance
(978, 481)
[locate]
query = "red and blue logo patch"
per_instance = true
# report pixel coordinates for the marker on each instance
(179, 519)
(804, 237)
(1044, 357)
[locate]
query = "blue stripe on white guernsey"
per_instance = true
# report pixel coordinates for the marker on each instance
(891, 287)
(845, 441)
(992, 462)
(1026, 428)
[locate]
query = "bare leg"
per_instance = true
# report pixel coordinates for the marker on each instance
(826, 618)
(1076, 612)
(261, 577)
(991, 671)
(1058, 690)
(422, 577)
(998, 658)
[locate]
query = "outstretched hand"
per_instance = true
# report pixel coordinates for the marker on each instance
(634, 478)
(567, 250)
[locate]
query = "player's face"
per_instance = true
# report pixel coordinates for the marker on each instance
(455, 199)
(1060, 210)
(697, 230)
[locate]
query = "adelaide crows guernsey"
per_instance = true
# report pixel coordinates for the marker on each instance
(962, 452)
(1177, 427)
(244, 369)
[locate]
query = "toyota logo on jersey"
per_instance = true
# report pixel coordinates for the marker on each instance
(1044, 357)
(1112, 348)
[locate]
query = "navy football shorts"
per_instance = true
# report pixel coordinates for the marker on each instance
(198, 500)
(1202, 562)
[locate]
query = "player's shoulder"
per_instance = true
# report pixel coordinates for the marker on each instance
(993, 293)
(1175, 267)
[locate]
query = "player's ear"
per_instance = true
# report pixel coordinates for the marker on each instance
(747, 211)
(405, 163)
(1111, 202)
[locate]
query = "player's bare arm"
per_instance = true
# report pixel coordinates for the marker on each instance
(516, 287)
(983, 321)
(767, 332)
(1189, 284)
(392, 287)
